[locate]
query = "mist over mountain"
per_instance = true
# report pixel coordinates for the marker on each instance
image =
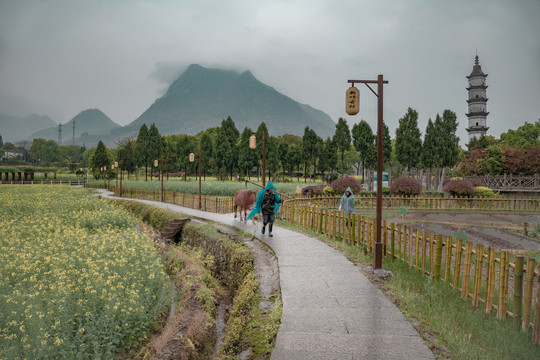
(16, 128)
(87, 123)
(201, 98)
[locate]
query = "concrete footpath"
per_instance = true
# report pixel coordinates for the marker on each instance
(330, 309)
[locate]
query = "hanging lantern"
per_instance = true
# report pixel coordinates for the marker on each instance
(116, 164)
(191, 157)
(112, 167)
(105, 168)
(352, 101)
(155, 163)
(252, 142)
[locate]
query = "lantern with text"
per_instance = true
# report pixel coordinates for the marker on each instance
(352, 101)
(252, 142)
(191, 157)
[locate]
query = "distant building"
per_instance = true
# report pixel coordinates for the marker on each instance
(8, 154)
(477, 114)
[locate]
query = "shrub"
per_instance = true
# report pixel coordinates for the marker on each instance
(313, 190)
(329, 191)
(341, 184)
(405, 186)
(482, 191)
(433, 193)
(459, 187)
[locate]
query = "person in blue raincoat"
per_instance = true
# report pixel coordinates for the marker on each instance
(347, 202)
(267, 203)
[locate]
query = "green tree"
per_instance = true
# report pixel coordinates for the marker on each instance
(328, 157)
(100, 158)
(247, 158)
(142, 156)
(408, 140)
(526, 136)
(45, 150)
(155, 145)
(228, 133)
(283, 153)
(431, 157)
(492, 161)
(126, 154)
(309, 148)
(294, 158)
(207, 148)
(272, 156)
(363, 141)
(342, 138)
(483, 142)
(259, 145)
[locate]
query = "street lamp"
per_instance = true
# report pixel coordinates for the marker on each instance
(352, 108)
(156, 163)
(192, 159)
(253, 145)
(116, 167)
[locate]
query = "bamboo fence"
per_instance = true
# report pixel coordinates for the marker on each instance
(485, 276)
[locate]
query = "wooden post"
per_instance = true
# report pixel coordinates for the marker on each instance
(448, 262)
(501, 310)
(392, 241)
(536, 326)
(417, 260)
(438, 258)
(424, 252)
(518, 290)
(466, 270)
(527, 297)
(491, 281)
(478, 266)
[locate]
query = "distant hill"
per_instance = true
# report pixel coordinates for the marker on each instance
(15, 128)
(87, 123)
(201, 98)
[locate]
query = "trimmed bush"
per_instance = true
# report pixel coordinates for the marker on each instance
(459, 187)
(313, 190)
(329, 191)
(405, 186)
(341, 184)
(482, 191)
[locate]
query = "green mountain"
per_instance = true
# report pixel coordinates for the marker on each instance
(201, 98)
(15, 128)
(87, 123)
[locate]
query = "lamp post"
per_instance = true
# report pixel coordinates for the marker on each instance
(352, 108)
(116, 167)
(156, 163)
(253, 145)
(121, 174)
(192, 159)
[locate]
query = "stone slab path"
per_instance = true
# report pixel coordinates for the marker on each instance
(330, 309)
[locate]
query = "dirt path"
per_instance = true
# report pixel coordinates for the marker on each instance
(491, 230)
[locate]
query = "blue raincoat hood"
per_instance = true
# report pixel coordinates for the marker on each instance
(260, 196)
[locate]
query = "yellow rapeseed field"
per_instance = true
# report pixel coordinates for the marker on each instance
(77, 279)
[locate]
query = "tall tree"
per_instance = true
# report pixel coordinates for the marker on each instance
(342, 138)
(431, 158)
(207, 152)
(142, 157)
(230, 134)
(100, 158)
(126, 154)
(283, 153)
(42, 150)
(272, 156)
(363, 140)
(294, 158)
(259, 149)
(408, 140)
(524, 137)
(247, 158)
(327, 157)
(309, 147)
(155, 145)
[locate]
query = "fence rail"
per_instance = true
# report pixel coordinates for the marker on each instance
(484, 275)
(511, 182)
(44, 182)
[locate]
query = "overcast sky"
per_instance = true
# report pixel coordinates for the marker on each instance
(58, 58)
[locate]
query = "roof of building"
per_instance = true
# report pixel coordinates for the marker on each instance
(477, 69)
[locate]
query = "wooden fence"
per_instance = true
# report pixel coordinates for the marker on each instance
(484, 275)
(215, 204)
(529, 204)
(44, 182)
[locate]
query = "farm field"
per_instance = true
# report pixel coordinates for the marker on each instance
(78, 280)
(209, 187)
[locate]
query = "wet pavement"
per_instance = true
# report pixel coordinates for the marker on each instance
(330, 309)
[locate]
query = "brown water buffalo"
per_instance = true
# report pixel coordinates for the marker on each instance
(245, 199)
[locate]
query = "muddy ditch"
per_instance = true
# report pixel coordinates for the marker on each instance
(197, 326)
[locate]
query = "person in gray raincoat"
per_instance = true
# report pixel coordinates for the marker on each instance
(347, 202)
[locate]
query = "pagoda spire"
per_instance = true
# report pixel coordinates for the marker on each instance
(477, 101)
